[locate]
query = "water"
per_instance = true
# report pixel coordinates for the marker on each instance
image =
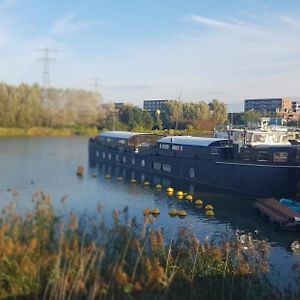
(49, 164)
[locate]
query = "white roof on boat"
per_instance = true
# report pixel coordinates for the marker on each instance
(120, 134)
(189, 140)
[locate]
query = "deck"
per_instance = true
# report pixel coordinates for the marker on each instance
(280, 215)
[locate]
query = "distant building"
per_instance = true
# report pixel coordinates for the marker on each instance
(269, 105)
(296, 106)
(119, 105)
(152, 105)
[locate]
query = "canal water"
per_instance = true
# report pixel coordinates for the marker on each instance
(49, 164)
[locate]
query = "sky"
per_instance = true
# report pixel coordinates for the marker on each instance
(191, 50)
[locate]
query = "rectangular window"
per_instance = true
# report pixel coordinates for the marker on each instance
(109, 140)
(214, 151)
(262, 156)
(157, 166)
(164, 146)
(166, 167)
(121, 141)
(177, 147)
(280, 156)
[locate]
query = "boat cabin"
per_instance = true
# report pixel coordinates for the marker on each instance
(191, 147)
(127, 139)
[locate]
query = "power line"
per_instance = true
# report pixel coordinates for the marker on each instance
(46, 59)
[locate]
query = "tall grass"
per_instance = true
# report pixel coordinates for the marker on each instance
(48, 131)
(45, 256)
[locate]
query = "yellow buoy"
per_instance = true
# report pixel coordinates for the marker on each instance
(189, 198)
(209, 207)
(94, 174)
(170, 190)
(158, 186)
(155, 211)
(80, 171)
(210, 213)
(133, 181)
(146, 183)
(147, 211)
(173, 212)
(182, 213)
(120, 178)
(179, 197)
(199, 202)
(179, 194)
(107, 176)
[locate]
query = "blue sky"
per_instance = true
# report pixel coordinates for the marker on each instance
(192, 49)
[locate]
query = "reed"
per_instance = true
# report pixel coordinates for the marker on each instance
(46, 256)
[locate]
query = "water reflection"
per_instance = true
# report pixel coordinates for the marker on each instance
(232, 211)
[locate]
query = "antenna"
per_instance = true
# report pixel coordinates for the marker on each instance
(46, 59)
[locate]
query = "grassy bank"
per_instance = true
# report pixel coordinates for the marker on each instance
(45, 256)
(47, 131)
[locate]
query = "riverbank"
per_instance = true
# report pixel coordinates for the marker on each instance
(85, 131)
(47, 131)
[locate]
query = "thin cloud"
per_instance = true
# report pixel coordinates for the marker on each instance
(218, 24)
(68, 25)
(290, 21)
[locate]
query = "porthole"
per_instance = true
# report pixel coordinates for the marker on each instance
(133, 161)
(124, 159)
(109, 156)
(117, 157)
(103, 155)
(97, 153)
(192, 172)
(143, 163)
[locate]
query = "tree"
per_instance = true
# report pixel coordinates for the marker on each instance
(218, 111)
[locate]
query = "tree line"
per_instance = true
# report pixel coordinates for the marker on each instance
(28, 106)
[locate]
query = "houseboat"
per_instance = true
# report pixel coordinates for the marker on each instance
(268, 171)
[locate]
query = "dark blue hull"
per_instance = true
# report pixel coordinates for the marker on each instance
(247, 178)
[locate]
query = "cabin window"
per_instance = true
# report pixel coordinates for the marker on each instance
(259, 138)
(192, 172)
(133, 161)
(143, 163)
(109, 156)
(164, 146)
(117, 157)
(97, 153)
(166, 167)
(280, 156)
(108, 140)
(121, 141)
(103, 155)
(124, 159)
(262, 156)
(214, 151)
(157, 166)
(177, 147)
(246, 155)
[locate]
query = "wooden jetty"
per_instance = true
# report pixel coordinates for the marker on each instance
(280, 215)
